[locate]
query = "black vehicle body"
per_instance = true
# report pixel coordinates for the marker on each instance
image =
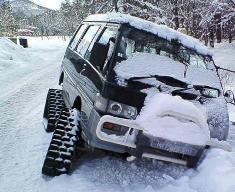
(84, 83)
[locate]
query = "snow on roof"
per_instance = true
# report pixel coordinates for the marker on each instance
(160, 30)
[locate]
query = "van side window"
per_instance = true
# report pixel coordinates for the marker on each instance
(102, 50)
(78, 36)
(87, 39)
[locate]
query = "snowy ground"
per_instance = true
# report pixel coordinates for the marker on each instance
(25, 76)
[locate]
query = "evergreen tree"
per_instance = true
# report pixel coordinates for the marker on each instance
(7, 20)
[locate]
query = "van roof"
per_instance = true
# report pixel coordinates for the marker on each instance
(160, 30)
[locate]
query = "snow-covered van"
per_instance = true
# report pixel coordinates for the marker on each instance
(134, 87)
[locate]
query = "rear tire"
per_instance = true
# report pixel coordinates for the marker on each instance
(53, 107)
(63, 144)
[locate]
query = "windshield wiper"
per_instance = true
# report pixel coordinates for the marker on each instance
(164, 79)
(199, 88)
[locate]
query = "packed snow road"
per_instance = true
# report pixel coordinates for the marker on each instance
(25, 76)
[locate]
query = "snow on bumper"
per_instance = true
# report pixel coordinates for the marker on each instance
(175, 119)
(129, 139)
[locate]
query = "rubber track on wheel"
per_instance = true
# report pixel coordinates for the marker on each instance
(53, 107)
(63, 144)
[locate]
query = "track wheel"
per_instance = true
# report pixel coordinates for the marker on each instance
(53, 107)
(63, 144)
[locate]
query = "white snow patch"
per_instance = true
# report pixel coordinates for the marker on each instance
(160, 30)
(175, 119)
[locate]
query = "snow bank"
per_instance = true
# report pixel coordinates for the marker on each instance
(216, 173)
(11, 55)
(175, 119)
(160, 30)
(9, 50)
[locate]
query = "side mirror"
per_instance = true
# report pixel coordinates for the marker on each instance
(229, 97)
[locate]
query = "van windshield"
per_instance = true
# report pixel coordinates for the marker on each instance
(137, 41)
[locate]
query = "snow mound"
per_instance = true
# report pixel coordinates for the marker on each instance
(160, 30)
(9, 50)
(216, 173)
(175, 119)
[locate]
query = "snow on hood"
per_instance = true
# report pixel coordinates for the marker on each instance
(175, 119)
(147, 64)
(159, 30)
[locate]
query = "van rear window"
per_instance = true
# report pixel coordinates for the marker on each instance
(78, 36)
(87, 39)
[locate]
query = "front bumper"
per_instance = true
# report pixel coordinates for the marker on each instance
(140, 145)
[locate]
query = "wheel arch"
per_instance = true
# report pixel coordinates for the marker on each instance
(61, 79)
(77, 104)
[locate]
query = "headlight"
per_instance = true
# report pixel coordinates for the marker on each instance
(209, 92)
(122, 110)
(115, 108)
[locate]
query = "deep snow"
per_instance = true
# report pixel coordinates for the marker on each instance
(24, 81)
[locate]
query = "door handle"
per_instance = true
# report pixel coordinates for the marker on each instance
(83, 68)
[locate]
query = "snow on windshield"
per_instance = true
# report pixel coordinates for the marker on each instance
(147, 64)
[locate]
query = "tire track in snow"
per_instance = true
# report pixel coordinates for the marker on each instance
(20, 114)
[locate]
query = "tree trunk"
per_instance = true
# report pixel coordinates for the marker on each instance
(115, 2)
(217, 18)
(211, 36)
(230, 37)
(176, 14)
(206, 39)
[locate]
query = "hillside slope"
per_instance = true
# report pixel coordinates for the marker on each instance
(26, 7)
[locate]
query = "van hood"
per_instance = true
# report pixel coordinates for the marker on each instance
(147, 64)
